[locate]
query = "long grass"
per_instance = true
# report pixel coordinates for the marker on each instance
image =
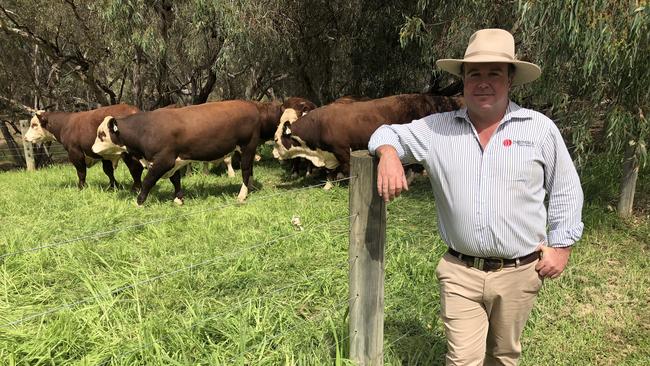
(88, 278)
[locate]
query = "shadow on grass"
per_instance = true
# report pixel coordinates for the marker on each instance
(405, 340)
(162, 193)
(414, 344)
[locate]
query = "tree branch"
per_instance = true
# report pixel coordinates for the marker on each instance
(21, 108)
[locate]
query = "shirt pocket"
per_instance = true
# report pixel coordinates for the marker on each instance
(516, 164)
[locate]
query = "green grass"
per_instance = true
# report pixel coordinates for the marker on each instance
(260, 292)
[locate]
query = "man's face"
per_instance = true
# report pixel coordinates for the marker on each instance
(486, 87)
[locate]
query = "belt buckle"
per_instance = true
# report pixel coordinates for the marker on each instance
(501, 266)
(479, 263)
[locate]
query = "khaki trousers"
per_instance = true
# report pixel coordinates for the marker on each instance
(484, 313)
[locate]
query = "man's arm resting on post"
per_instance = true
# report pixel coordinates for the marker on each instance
(391, 179)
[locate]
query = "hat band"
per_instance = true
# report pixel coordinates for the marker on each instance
(491, 53)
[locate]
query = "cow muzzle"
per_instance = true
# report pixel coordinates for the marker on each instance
(107, 149)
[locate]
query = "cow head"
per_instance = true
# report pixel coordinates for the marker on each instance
(289, 146)
(294, 108)
(300, 105)
(38, 132)
(108, 142)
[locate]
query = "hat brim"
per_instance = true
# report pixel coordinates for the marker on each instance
(525, 72)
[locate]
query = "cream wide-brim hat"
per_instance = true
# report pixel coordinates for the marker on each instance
(493, 45)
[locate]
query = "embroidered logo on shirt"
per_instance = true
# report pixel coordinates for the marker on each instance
(524, 143)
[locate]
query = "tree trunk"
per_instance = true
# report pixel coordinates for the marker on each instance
(628, 181)
(137, 77)
(12, 145)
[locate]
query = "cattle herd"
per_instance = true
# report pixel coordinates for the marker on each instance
(166, 139)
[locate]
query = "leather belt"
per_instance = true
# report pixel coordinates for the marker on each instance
(492, 263)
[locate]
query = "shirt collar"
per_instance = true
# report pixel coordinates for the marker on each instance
(513, 111)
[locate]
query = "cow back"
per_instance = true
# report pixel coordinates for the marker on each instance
(77, 130)
(352, 124)
(199, 132)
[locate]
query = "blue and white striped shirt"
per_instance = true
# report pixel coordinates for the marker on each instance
(491, 203)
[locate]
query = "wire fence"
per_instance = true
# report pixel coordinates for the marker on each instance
(116, 292)
(103, 234)
(121, 289)
(111, 294)
(267, 295)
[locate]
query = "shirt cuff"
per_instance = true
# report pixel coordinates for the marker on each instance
(565, 238)
(385, 136)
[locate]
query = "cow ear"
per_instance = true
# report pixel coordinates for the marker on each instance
(285, 128)
(112, 125)
(41, 118)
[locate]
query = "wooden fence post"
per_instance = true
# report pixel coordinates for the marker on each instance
(366, 254)
(28, 147)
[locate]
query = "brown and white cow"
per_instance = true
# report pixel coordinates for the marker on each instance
(167, 139)
(76, 132)
(294, 108)
(272, 114)
(326, 135)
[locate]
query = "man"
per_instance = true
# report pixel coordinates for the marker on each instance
(491, 166)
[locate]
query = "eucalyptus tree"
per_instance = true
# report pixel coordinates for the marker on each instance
(596, 56)
(66, 45)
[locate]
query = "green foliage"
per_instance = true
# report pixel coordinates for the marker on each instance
(595, 54)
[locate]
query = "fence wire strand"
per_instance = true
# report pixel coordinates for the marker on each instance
(175, 217)
(266, 295)
(121, 289)
(335, 307)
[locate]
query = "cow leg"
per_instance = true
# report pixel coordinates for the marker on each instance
(107, 165)
(228, 161)
(178, 192)
(157, 170)
(247, 157)
(309, 168)
(344, 168)
(135, 168)
(77, 159)
(342, 171)
(295, 167)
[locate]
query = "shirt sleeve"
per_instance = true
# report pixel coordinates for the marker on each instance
(565, 194)
(411, 140)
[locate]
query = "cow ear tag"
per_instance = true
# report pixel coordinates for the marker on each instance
(287, 131)
(115, 127)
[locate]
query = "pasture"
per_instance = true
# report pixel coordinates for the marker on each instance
(88, 278)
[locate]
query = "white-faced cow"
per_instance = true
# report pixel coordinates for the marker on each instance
(76, 132)
(293, 108)
(167, 139)
(326, 135)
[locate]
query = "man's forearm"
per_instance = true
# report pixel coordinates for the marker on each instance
(385, 150)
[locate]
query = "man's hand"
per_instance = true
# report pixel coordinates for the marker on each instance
(390, 174)
(553, 261)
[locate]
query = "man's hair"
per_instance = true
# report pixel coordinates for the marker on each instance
(511, 70)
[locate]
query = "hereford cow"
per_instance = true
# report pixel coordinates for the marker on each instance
(271, 114)
(77, 132)
(167, 139)
(326, 135)
(295, 108)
